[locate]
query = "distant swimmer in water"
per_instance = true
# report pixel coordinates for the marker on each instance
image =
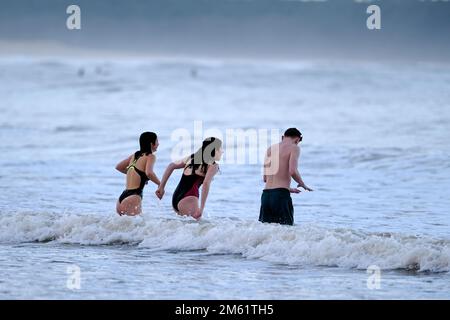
(199, 168)
(139, 170)
(280, 166)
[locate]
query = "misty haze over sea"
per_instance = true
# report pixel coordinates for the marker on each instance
(285, 29)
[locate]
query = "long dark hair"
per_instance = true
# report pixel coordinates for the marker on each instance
(204, 156)
(145, 142)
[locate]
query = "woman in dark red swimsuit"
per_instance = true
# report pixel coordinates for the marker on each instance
(199, 169)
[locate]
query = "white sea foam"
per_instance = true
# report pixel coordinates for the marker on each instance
(299, 245)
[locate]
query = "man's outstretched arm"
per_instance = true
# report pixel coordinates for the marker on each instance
(293, 168)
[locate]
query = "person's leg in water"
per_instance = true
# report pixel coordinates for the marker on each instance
(188, 206)
(130, 206)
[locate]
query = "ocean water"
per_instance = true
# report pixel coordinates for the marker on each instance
(375, 151)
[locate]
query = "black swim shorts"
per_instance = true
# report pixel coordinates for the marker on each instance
(276, 206)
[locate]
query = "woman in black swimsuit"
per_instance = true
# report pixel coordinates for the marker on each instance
(199, 168)
(139, 170)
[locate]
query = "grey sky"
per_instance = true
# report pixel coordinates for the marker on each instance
(411, 29)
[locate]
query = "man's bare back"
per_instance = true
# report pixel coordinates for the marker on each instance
(276, 171)
(281, 165)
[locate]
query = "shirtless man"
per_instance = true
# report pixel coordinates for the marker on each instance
(280, 166)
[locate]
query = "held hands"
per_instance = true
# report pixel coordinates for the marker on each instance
(159, 193)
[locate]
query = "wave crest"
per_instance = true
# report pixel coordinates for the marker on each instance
(305, 245)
